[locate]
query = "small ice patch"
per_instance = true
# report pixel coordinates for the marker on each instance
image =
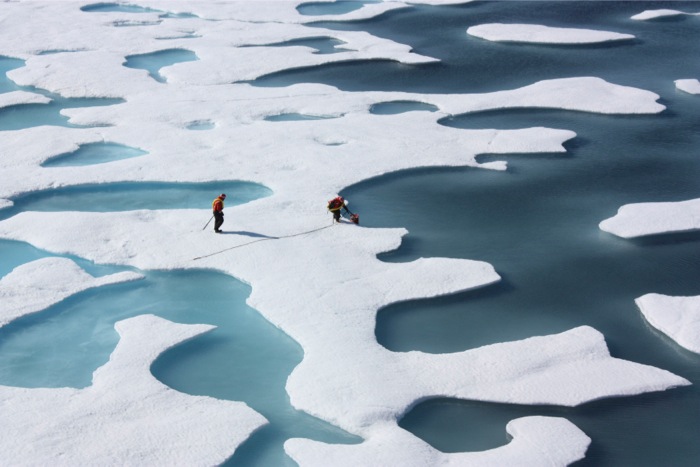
(691, 86)
(13, 98)
(677, 317)
(538, 34)
(641, 219)
(659, 14)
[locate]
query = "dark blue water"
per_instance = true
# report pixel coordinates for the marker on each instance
(397, 107)
(537, 223)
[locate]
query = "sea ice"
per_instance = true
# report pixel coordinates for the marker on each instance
(539, 34)
(9, 99)
(640, 219)
(677, 317)
(292, 263)
(691, 86)
(535, 441)
(661, 13)
(126, 416)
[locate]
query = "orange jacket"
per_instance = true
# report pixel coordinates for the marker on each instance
(218, 205)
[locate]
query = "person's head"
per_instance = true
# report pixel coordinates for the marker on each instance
(222, 196)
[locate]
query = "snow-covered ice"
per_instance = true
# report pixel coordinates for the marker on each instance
(532, 444)
(660, 13)
(346, 377)
(641, 219)
(9, 99)
(540, 34)
(691, 86)
(677, 317)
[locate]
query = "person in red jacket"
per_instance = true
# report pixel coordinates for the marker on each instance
(218, 208)
(338, 203)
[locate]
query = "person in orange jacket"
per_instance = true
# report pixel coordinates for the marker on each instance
(218, 208)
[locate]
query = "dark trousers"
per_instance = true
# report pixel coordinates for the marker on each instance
(218, 219)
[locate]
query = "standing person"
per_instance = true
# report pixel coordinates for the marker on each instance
(338, 203)
(218, 208)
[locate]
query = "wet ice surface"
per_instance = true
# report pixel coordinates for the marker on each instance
(248, 141)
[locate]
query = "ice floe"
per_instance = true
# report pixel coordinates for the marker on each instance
(691, 86)
(292, 261)
(34, 286)
(126, 416)
(539, 34)
(660, 13)
(640, 219)
(677, 317)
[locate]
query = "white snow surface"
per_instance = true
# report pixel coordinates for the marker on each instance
(641, 219)
(34, 286)
(346, 377)
(691, 86)
(540, 34)
(9, 99)
(677, 317)
(533, 438)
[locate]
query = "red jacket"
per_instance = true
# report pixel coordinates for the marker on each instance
(336, 204)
